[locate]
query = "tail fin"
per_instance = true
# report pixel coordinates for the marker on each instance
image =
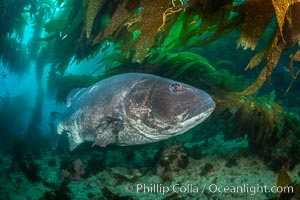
(53, 120)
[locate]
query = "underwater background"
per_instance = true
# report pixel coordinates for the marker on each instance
(244, 53)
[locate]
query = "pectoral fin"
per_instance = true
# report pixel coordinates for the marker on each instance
(109, 133)
(115, 123)
(103, 139)
(74, 140)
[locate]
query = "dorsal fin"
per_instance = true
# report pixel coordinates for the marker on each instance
(72, 95)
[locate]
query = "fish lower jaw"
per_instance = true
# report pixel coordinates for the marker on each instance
(192, 122)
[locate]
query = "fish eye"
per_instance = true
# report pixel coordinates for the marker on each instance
(175, 87)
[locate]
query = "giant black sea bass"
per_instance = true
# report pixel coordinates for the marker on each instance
(132, 108)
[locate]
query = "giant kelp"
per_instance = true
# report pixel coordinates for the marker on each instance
(14, 17)
(270, 130)
(286, 35)
(64, 33)
(12, 23)
(62, 85)
(11, 117)
(251, 30)
(140, 28)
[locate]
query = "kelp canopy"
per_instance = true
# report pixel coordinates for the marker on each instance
(142, 29)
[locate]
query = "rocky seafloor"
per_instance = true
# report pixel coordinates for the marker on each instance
(186, 167)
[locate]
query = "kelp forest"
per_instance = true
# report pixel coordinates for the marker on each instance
(244, 53)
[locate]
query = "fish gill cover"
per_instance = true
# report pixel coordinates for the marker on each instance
(191, 41)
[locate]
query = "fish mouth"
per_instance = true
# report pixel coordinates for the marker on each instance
(193, 109)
